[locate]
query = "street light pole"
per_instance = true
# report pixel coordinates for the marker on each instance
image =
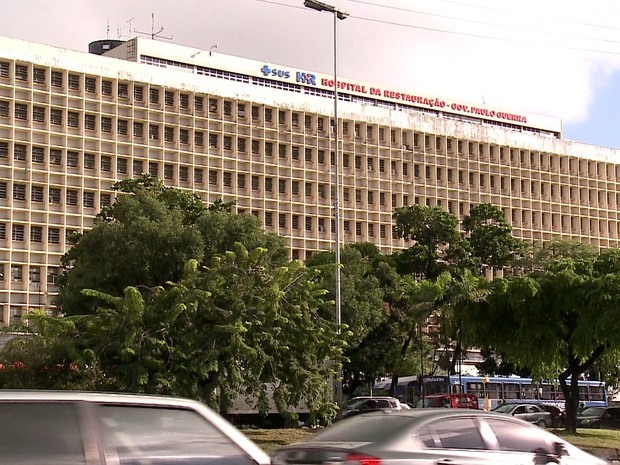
(338, 14)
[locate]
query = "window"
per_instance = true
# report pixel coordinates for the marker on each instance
(241, 145)
(213, 141)
(268, 184)
(456, 433)
(16, 273)
(73, 119)
(122, 90)
(169, 98)
(198, 103)
(227, 143)
(212, 105)
(53, 236)
(36, 234)
(90, 122)
(168, 171)
(54, 195)
(138, 93)
(74, 82)
(169, 134)
(153, 168)
(56, 116)
(213, 177)
(4, 149)
(72, 197)
(21, 111)
(4, 69)
(4, 109)
(121, 165)
(241, 181)
(38, 114)
(199, 138)
(106, 87)
(72, 159)
(21, 72)
(52, 274)
(105, 200)
(227, 179)
(282, 186)
(198, 176)
(241, 110)
(154, 95)
(121, 127)
(153, 132)
(106, 163)
(89, 161)
(295, 221)
(137, 167)
(184, 136)
(17, 233)
(19, 192)
(255, 183)
(19, 152)
(183, 173)
(268, 219)
(227, 108)
(38, 154)
(184, 101)
(90, 84)
(46, 429)
(36, 194)
(106, 124)
(89, 199)
(282, 220)
(268, 149)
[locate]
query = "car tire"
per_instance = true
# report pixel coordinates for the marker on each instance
(542, 424)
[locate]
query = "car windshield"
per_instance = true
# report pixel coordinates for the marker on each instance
(352, 404)
(365, 428)
(591, 412)
(426, 402)
(504, 408)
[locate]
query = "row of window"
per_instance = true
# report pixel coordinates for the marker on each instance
(18, 233)
(54, 195)
(34, 273)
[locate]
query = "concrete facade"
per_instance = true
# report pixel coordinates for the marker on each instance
(73, 123)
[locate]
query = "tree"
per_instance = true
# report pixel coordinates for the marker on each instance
(560, 319)
(239, 326)
(145, 238)
(433, 232)
(362, 304)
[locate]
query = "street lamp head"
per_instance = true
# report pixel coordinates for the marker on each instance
(320, 6)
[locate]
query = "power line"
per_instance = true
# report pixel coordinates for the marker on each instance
(487, 23)
(466, 34)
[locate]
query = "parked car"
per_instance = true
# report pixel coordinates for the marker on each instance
(366, 404)
(433, 436)
(599, 417)
(558, 416)
(528, 412)
(69, 428)
(449, 401)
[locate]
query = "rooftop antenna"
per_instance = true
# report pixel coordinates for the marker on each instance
(154, 34)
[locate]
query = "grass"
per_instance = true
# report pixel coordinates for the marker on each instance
(587, 439)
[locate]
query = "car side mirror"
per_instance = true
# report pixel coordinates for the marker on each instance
(559, 449)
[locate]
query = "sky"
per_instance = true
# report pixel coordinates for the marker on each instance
(558, 58)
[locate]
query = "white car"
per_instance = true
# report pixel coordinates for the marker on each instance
(68, 427)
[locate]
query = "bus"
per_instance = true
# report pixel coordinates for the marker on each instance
(494, 390)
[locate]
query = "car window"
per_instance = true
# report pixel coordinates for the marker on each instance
(40, 432)
(457, 433)
(144, 434)
(517, 438)
(520, 409)
(506, 408)
(383, 403)
(592, 411)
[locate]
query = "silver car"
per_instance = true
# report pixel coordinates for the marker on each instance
(431, 437)
(40, 427)
(527, 412)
